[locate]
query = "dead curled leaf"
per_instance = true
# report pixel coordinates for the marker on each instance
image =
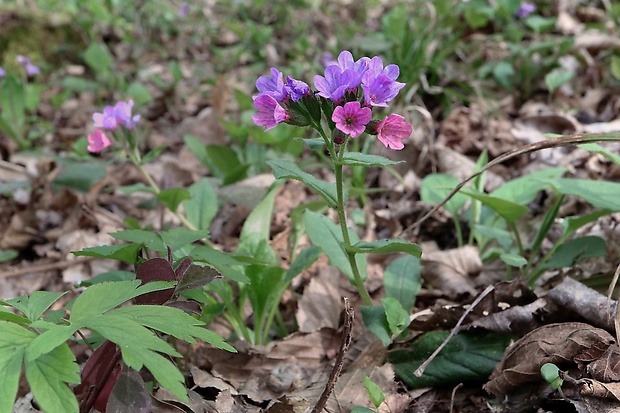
(452, 270)
(554, 343)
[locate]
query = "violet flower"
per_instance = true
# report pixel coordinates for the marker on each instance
(272, 85)
(105, 119)
(336, 82)
(270, 113)
(525, 10)
(97, 141)
(296, 89)
(2, 73)
(379, 83)
(122, 113)
(183, 10)
(352, 118)
(31, 70)
(345, 62)
(392, 130)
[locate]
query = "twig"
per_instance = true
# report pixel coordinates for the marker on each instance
(420, 370)
(347, 336)
(458, 386)
(44, 267)
(533, 147)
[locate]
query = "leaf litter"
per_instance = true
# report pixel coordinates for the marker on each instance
(44, 223)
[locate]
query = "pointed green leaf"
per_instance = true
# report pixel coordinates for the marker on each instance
(13, 340)
(385, 246)
(524, 189)
(401, 280)
(49, 340)
(100, 298)
(396, 316)
(172, 197)
(577, 250)
(436, 187)
(327, 235)
(376, 322)
(288, 169)
(364, 159)
(514, 260)
(126, 252)
(601, 194)
(40, 301)
(221, 261)
(508, 210)
(202, 207)
(374, 392)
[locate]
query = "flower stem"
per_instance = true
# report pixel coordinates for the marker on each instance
(342, 218)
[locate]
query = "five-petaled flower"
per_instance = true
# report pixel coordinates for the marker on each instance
(2, 73)
(31, 70)
(113, 116)
(392, 130)
(352, 118)
(97, 141)
(525, 9)
(270, 113)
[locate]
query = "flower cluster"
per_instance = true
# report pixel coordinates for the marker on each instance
(525, 9)
(110, 119)
(31, 70)
(346, 93)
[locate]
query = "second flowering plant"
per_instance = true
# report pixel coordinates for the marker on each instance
(339, 109)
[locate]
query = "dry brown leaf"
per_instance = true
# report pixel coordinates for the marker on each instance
(595, 388)
(321, 304)
(452, 270)
(553, 343)
(595, 40)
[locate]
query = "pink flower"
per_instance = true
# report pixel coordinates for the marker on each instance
(351, 118)
(270, 113)
(392, 130)
(97, 141)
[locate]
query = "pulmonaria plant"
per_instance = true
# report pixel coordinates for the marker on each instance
(111, 118)
(339, 109)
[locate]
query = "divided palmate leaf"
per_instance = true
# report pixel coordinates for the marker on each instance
(125, 253)
(13, 341)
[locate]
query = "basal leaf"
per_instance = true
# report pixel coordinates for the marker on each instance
(577, 250)
(374, 392)
(364, 159)
(396, 316)
(201, 208)
(221, 261)
(435, 188)
(325, 234)
(288, 169)
(524, 189)
(386, 246)
(376, 322)
(514, 260)
(258, 221)
(466, 357)
(508, 210)
(601, 194)
(401, 280)
(172, 197)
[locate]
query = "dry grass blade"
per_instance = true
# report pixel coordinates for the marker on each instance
(537, 146)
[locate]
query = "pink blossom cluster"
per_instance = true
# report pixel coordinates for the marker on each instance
(351, 89)
(111, 117)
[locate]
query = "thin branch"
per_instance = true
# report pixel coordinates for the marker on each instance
(347, 336)
(33, 269)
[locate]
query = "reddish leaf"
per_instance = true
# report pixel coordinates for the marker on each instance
(155, 269)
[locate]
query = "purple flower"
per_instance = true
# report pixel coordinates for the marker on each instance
(273, 86)
(105, 119)
(296, 88)
(31, 70)
(379, 83)
(336, 82)
(270, 113)
(392, 130)
(2, 73)
(122, 113)
(351, 118)
(97, 141)
(525, 10)
(183, 10)
(345, 62)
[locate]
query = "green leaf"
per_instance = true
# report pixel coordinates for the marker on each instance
(557, 78)
(126, 252)
(596, 148)
(363, 159)
(288, 169)
(39, 302)
(551, 374)
(48, 377)
(386, 246)
(314, 143)
(8, 255)
(615, 67)
(466, 357)
(223, 163)
(306, 258)
(362, 409)
(98, 57)
(374, 392)
(13, 340)
(396, 316)
(109, 276)
(258, 222)
(172, 197)
(601, 194)
(99, 298)
(435, 188)
(224, 263)
(180, 237)
(79, 175)
(141, 95)
(524, 189)
(508, 210)
(504, 74)
(401, 280)
(577, 250)
(477, 14)
(262, 291)
(327, 235)
(514, 260)
(376, 322)
(540, 24)
(202, 207)
(572, 224)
